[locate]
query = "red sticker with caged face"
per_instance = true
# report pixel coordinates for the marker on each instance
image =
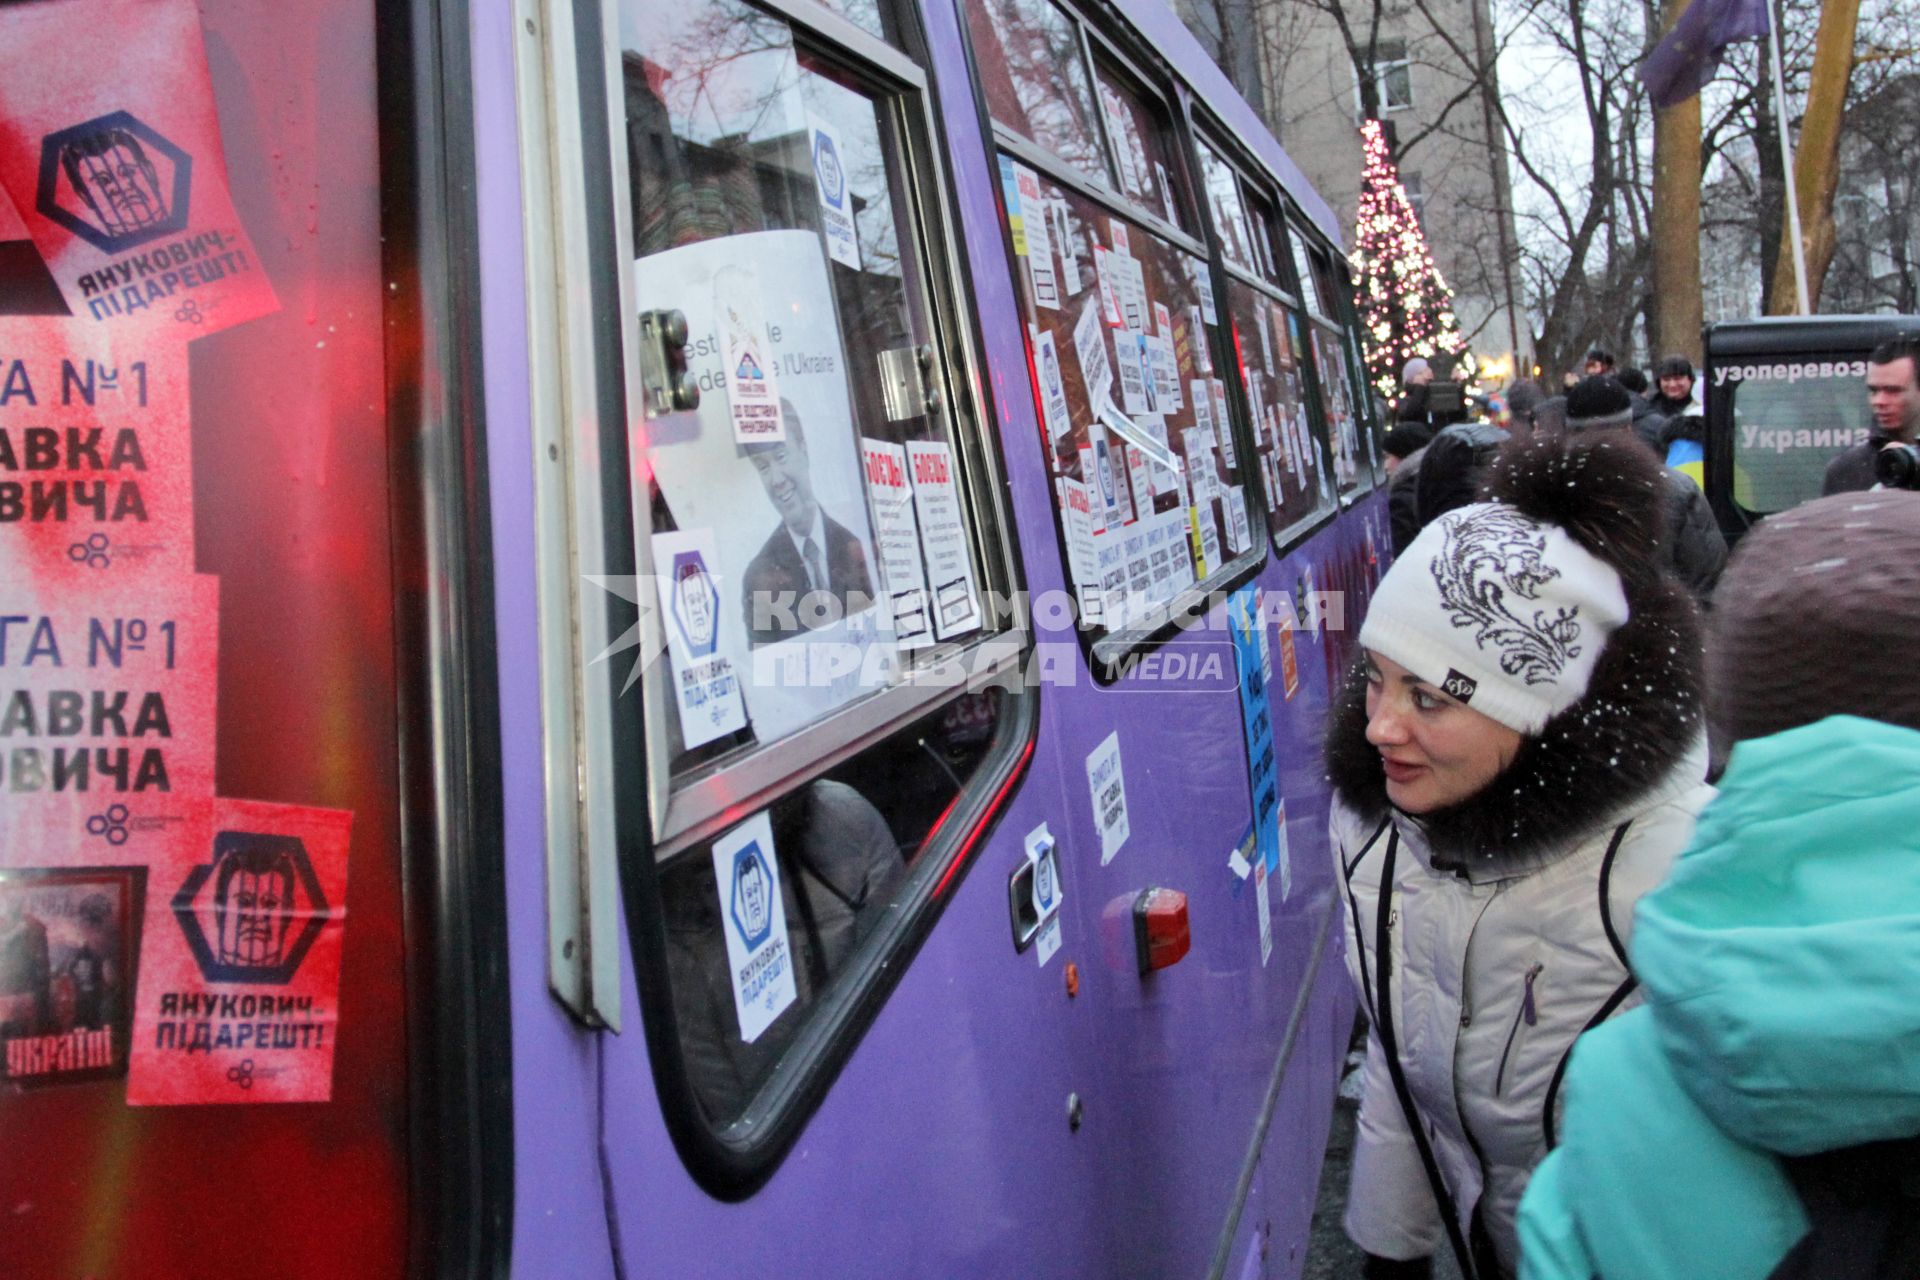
(96, 460)
(110, 150)
(240, 973)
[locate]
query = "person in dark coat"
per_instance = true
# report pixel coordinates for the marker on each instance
(808, 552)
(1403, 441)
(1674, 394)
(1455, 464)
(1693, 547)
(1893, 393)
(1647, 421)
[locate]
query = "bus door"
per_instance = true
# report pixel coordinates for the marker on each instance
(220, 396)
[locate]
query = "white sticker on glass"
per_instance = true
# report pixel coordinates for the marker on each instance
(753, 915)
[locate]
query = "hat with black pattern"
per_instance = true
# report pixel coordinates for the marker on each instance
(1506, 605)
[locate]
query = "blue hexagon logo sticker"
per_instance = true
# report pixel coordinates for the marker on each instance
(114, 182)
(696, 605)
(750, 901)
(827, 169)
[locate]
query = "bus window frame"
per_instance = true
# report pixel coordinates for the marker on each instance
(1108, 653)
(607, 783)
(694, 808)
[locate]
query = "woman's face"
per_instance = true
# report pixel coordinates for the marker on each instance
(1436, 751)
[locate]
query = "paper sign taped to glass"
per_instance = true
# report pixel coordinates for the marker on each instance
(111, 153)
(107, 704)
(240, 978)
(96, 457)
(793, 543)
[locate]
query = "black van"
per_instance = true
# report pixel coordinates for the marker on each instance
(1784, 394)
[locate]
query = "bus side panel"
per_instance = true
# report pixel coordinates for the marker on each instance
(943, 1148)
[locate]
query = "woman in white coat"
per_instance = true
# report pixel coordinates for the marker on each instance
(1517, 759)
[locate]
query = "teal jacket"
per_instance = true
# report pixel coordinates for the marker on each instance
(1782, 1016)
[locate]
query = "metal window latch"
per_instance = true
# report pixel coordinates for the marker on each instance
(907, 383)
(669, 386)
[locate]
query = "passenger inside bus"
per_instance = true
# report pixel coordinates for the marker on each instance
(839, 864)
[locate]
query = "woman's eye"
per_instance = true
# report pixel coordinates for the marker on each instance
(1373, 675)
(1425, 701)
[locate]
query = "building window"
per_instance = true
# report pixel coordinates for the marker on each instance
(1392, 76)
(1416, 190)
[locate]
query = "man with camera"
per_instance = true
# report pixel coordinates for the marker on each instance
(1888, 456)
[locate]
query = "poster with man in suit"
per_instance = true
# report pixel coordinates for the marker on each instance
(811, 570)
(796, 573)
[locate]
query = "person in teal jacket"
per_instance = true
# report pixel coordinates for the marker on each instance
(1757, 1116)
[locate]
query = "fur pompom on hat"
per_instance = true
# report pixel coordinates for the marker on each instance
(1507, 605)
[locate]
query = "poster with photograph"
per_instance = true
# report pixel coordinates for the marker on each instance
(796, 563)
(69, 952)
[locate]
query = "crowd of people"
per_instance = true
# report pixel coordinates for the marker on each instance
(1630, 884)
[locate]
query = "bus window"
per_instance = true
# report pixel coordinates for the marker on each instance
(1303, 270)
(844, 853)
(1229, 214)
(1266, 236)
(1142, 152)
(1786, 430)
(1033, 71)
(1352, 470)
(1150, 491)
(1369, 410)
(822, 540)
(206, 911)
(1268, 340)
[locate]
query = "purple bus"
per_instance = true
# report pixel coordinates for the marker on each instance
(665, 638)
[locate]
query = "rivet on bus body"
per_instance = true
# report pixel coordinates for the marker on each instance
(1074, 1111)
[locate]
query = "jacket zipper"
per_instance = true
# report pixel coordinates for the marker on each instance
(1530, 1014)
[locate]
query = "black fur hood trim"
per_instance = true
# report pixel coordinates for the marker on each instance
(1639, 719)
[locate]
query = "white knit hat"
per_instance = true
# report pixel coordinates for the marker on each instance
(1504, 612)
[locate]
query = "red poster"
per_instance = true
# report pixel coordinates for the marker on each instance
(96, 460)
(106, 718)
(240, 975)
(110, 148)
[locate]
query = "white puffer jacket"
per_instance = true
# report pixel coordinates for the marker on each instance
(1491, 976)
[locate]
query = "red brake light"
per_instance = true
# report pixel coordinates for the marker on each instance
(1160, 933)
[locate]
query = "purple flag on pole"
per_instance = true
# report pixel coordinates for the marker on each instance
(1683, 62)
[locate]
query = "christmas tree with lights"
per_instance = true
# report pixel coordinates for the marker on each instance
(1406, 308)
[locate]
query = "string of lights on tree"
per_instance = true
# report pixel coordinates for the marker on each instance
(1406, 308)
